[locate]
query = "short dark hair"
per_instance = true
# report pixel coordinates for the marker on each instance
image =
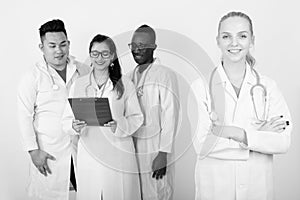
(147, 29)
(55, 25)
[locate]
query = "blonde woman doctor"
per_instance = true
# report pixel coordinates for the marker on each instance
(237, 135)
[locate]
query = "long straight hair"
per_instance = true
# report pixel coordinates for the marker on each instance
(249, 58)
(114, 70)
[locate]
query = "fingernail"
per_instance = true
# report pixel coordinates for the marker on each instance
(287, 123)
(281, 116)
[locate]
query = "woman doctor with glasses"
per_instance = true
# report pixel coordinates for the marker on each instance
(237, 135)
(106, 162)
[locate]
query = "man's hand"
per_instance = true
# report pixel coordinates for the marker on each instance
(39, 159)
(274, 125)
(159, 165)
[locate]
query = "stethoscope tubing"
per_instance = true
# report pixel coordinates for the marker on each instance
(213, 114)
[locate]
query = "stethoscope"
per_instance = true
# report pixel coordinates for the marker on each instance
(140, 90)
(90, 84)
(213, 114)
(55, 87)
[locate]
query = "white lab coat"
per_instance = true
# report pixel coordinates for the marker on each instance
(160, 106)
(106, 162)
(40, 110)
(232, 170)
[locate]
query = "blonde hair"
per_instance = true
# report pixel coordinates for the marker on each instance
(249, 58)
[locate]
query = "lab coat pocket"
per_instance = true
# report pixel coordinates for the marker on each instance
(43, 93)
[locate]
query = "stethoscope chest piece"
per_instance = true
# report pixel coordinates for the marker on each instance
(55, 87)
(140, 92)
(213, 116)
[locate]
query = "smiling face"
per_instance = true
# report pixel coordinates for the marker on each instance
(235, 39)
(101, 56)
(55, 47)
(143, 55)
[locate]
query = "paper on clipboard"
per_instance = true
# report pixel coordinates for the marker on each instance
(94, 111)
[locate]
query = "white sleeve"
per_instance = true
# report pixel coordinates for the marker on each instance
(133, 116)
(206, 143)
(272, 142)
(26, 103)
(169, 105)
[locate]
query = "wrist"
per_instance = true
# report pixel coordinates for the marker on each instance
(239, 136)
(32, 150)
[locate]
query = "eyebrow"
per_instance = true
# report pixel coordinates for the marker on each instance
(238, 32)
(53, 43)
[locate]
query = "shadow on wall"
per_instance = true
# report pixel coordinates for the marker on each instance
(184, 187)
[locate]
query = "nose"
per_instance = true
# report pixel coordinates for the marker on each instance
(234, 41)
(58, 49)
(136, 50)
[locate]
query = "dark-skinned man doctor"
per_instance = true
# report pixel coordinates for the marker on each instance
(157, 90)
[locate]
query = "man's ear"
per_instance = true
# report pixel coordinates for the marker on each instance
(41, 46)
(69, 42)
(155, 46)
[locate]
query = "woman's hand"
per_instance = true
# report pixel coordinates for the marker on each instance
(78, 125)
(274, 125)
(112, 124)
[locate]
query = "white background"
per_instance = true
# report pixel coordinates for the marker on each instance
(277, 31)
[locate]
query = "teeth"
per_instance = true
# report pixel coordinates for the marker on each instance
(234, 50)
(100, 63)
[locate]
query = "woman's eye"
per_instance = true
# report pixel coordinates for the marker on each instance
(225, 37)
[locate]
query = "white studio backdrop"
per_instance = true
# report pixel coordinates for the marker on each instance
(277, 43)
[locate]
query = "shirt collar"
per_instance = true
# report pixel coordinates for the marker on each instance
(108, 86)
(250, 77)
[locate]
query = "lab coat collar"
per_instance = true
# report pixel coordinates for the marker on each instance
(108, 87)
(156, 61)
(249, 76)
(71, 68)
(249, 81)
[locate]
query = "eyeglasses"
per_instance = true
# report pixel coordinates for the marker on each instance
(141, 46)
(104, 54)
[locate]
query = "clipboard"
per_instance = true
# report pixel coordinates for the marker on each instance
(94, 111)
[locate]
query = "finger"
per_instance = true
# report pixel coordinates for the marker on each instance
(50, 157)
(81, 122)
(278, 129)
(76, 121)
(47, 169)
(157, 176)
(81, 126)
(161, 176)
(42, 170)
(280, 123)
(273, 119)
(154, 174)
